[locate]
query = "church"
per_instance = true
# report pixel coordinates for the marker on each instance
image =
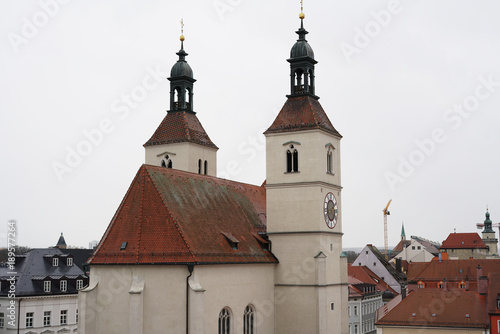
(187, 252)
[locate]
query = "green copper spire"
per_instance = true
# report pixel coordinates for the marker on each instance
(403, 234)
(487, 224)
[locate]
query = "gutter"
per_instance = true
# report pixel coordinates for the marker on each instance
(190, 269)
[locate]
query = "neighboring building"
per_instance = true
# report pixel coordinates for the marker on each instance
(462, 246)
(450, 274)
(415, 251)
(46, 292)
(458, 295)
(364, 274)
(365, 297)
(436, 312)
(371, 257)
(192, 253)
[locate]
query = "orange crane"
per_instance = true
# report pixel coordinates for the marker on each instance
(386, 213)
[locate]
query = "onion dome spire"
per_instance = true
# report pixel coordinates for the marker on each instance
(302, 63)
(181, 81)
(488, 223)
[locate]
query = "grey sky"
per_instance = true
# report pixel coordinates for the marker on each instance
(413, 81)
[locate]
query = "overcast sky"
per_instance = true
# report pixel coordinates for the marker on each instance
(413, 87)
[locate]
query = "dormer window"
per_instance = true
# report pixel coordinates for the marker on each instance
(46, 286)
(64, 286)
(55, 262)
(69, 261)
(292, 159)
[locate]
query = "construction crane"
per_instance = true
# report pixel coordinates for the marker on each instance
(386, 213)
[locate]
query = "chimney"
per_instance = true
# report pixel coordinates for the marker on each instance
(482, 281)
(440, 257)
(398, 265)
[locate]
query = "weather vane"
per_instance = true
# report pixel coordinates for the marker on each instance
(182, 30)
(302, 15)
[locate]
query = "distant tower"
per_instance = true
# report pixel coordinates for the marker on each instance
(180, 142)
(403, 234)
(61, 243)
(489, 238)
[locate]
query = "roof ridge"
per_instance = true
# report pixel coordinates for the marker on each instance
(178, 228)
(113, 220)
(139, 233)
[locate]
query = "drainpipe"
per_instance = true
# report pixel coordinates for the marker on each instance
(190, 269)
(19, 315)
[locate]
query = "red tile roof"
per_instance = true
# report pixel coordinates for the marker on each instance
(455, 308)
(172, 217)
(178, 127)
(302, 113)
(451, 269)
(493, 292)
(463, 240)
(365, 275)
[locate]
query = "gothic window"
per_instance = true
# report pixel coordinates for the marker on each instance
(199, 166)
(206, 167)
(249, 320)
(166, 162)
(292, 159)
(224, 321)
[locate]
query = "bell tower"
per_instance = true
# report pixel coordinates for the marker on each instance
(304, 215)
(489, 238)
(180, 142)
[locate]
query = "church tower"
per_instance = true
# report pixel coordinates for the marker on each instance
(489, 238)
(180, 141)
(304, 216)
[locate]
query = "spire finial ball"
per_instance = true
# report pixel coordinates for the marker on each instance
(302, 16)
(182, 38)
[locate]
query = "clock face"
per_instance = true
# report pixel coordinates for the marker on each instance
(330, 210)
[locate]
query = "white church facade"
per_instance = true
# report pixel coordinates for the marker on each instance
(187, 252)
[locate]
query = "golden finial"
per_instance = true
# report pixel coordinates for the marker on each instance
(182, 30)
(302, 15)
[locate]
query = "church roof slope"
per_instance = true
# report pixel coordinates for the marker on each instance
(179, 127)
(459, 309)
(173, 217)
(302, 113)
(463, 240)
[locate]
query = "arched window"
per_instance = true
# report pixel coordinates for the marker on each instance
(311, 82)
(249, 320)
(199, 166)
(461, 285)
(177, 98)
(206, 167)
(421, 285)
(292, 159)
(190, 97)
(224, 321)
(166, 161)
(440, 284)
(329, 168)
(299, 86)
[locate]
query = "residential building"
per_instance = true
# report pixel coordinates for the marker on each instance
(458, 295)
(44, 292)
(415, 250)
(371, 257)
(462, 246)
(365, 296)
(238, 258)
